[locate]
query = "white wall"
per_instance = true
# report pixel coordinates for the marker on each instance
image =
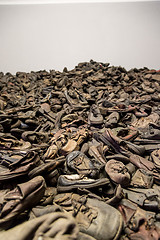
(51, 36)
(65, 1)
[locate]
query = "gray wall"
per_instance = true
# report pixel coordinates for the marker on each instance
(51, 36)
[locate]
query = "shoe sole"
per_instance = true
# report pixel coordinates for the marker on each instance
(92, 185)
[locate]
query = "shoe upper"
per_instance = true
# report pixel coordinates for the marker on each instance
(93, 216)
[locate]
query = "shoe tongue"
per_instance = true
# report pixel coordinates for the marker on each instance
(79, 198)
(29, 187)
(95, 111)
(71, 156)
(86, 212)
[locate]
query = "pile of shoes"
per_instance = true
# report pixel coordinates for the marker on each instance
(80, 154)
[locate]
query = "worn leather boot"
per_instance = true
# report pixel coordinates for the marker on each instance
(24, 196)
(94, 217)
(56, 226)
(74, 181)
(81, 164)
